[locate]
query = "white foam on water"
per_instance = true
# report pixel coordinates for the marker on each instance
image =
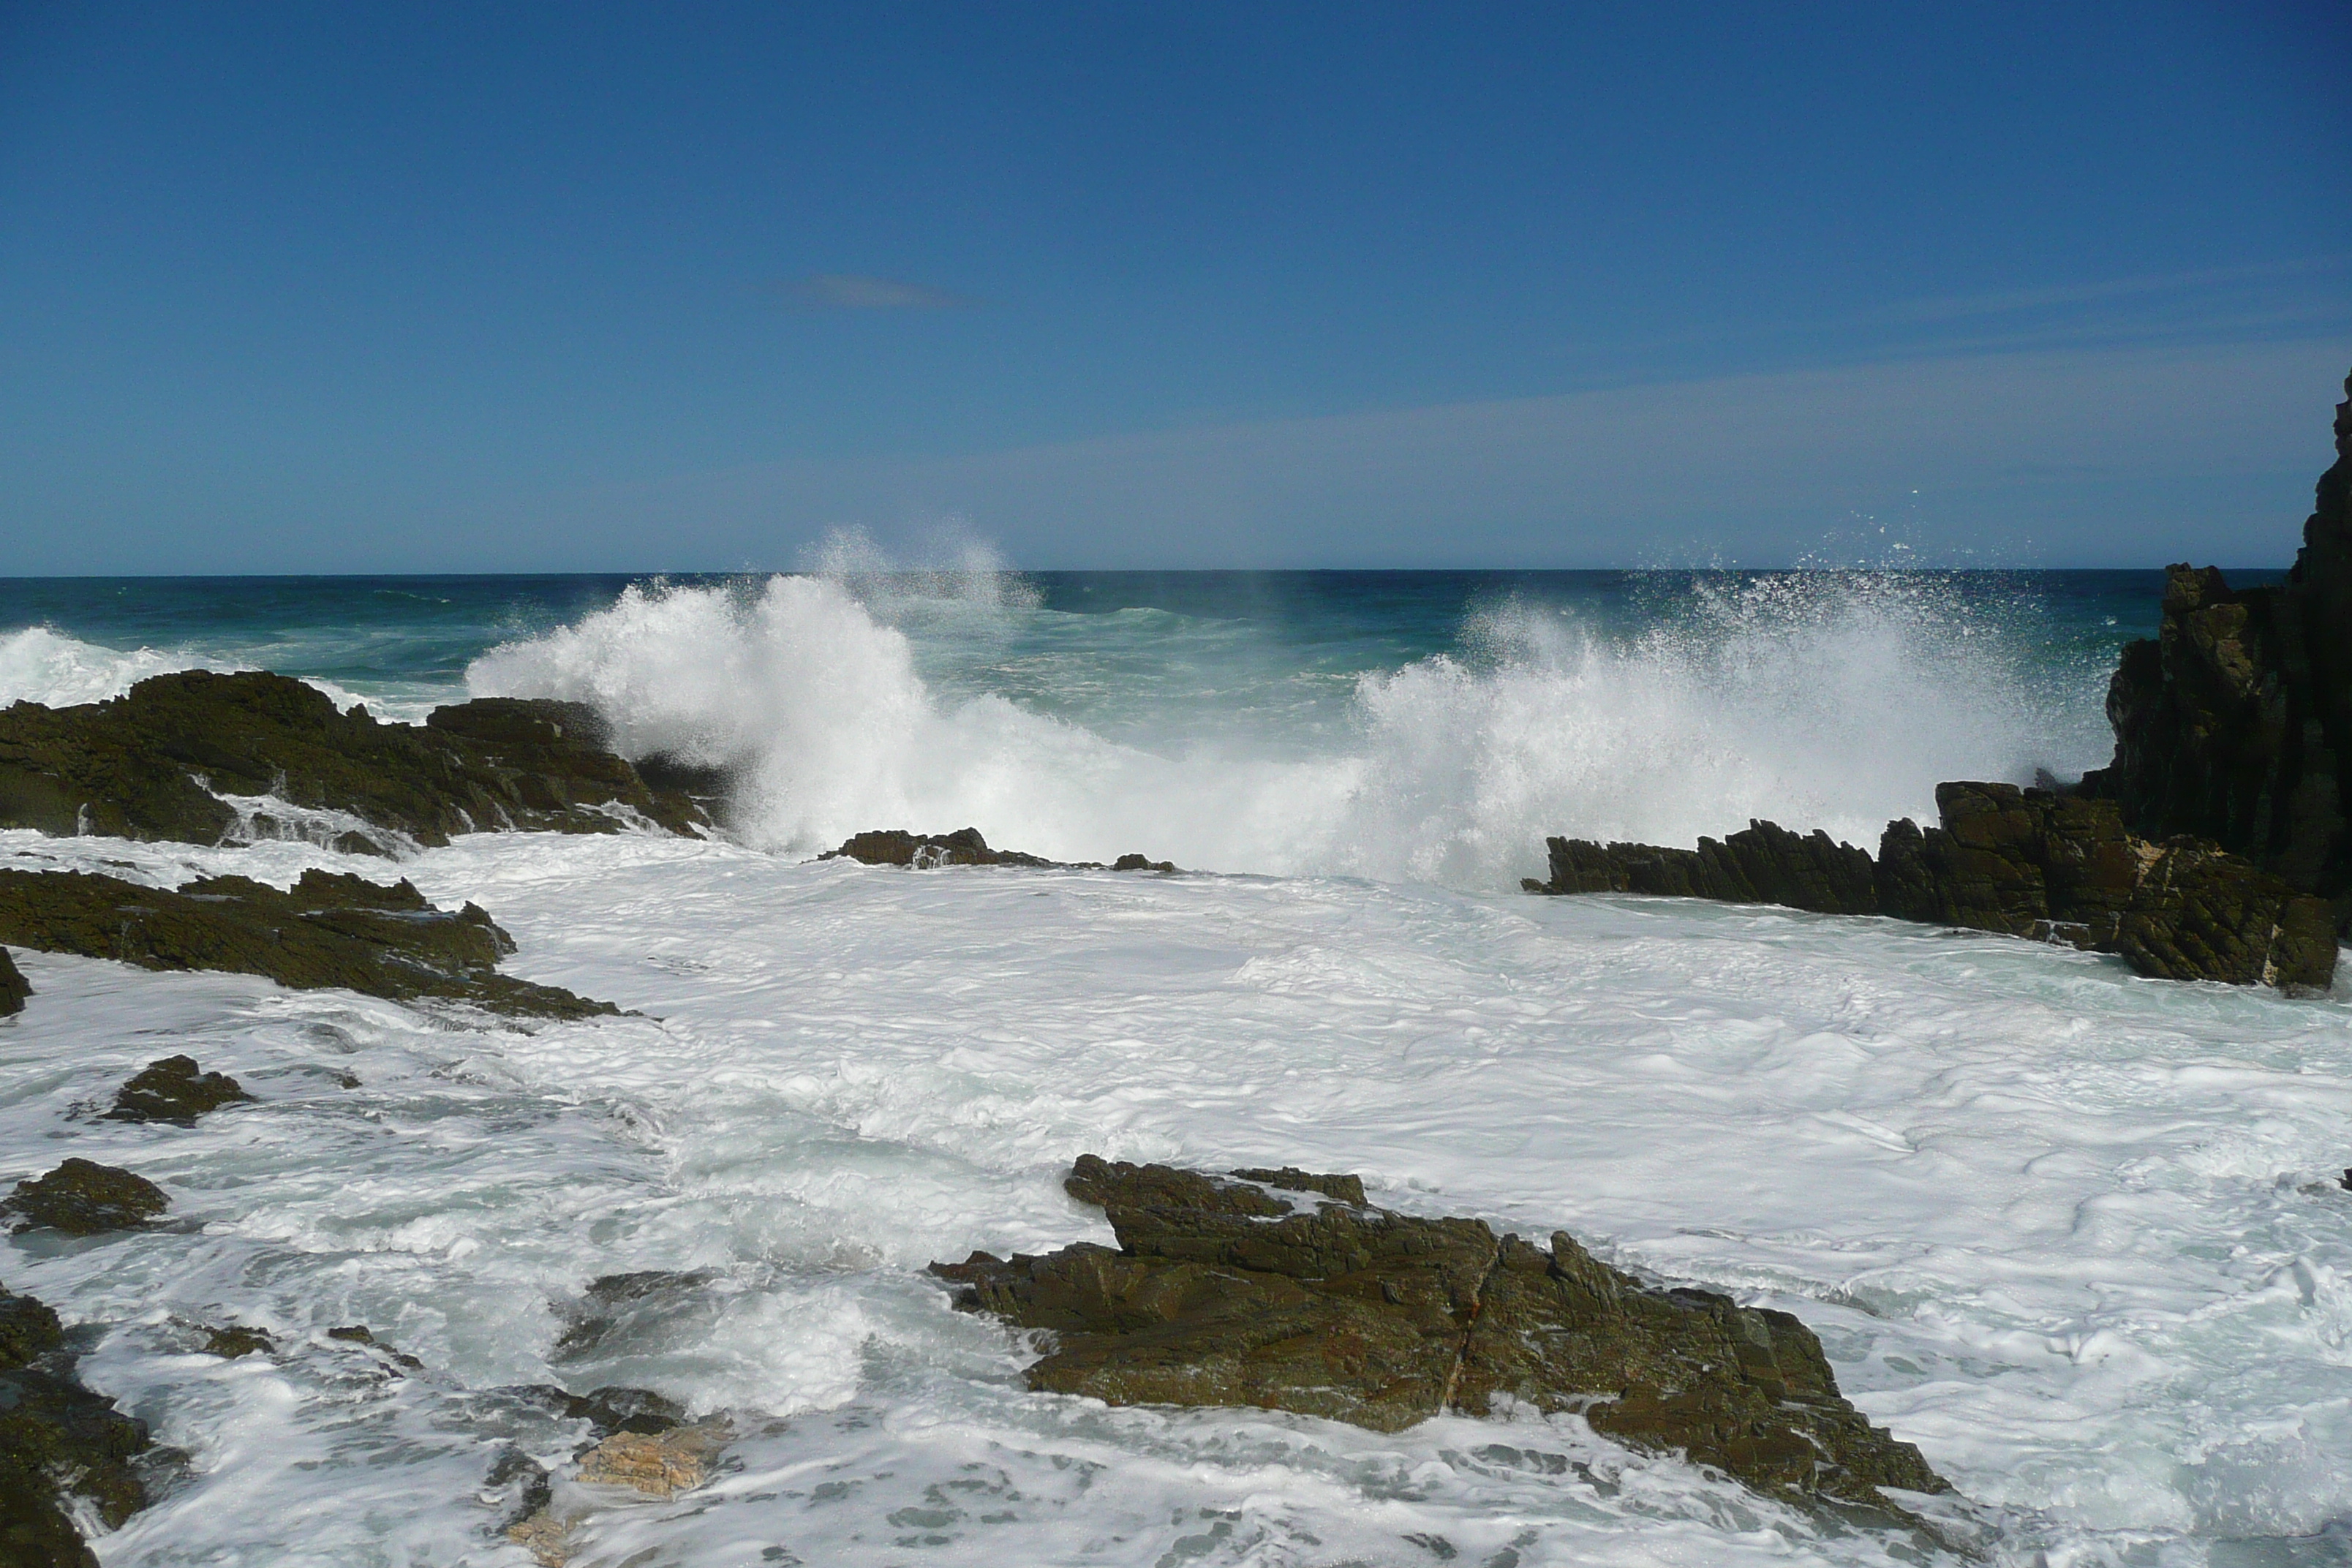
(2075, 1233)
(1837, 706)
(40, 665)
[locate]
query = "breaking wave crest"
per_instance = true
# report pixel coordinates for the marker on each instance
(1819, 702)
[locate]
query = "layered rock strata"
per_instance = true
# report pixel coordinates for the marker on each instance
(2235, 722)
(158, 761)
(327, 931)
(1285, 1290)
(2025, 862)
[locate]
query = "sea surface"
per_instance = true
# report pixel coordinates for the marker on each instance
(2077, 1235)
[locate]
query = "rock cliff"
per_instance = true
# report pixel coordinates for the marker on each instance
(2235, 724)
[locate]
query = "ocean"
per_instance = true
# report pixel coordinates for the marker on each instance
(2075, 1233)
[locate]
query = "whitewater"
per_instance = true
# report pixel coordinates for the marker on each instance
(2077, 1235)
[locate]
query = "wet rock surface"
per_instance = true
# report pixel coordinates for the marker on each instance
(965, 846)
(173, 1090)
(1282, 1289)
(82, 1197)
(15, 989)
(327, 931)
(154, 762)
(2027, 862)
(59, 1443)
(2234, 723)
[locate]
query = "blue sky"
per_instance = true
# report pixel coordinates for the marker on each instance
(340, 288)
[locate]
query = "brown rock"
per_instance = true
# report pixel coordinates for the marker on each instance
(173, 1089)
(1305, 1298)
(659, 1465)
(82, 1197)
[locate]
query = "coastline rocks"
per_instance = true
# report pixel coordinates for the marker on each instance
(15, 989)
(2235, 723)
(82, 1197)
(965, 846)
(154, 763)
(327, 931)
(58, 1440)
(173, 1089)
(1280, 1289)
(2025, 862)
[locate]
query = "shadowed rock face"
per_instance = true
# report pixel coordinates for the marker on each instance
(15, 989)
(327, 930)
(2025, 862)
(173, 1090)
(82, 1197)
(57, 1441)
(2235, 723)
(1284, 1290)
(150, 764)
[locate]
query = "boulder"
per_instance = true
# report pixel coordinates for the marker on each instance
(15, 989)
(235, 1341)
(2027, 862)
(1281, 1289)
(59, 1443)
(173, 1090)
(2234, 723)
(329, 930)
(82, 1197)
(155, 763)
(965, 846)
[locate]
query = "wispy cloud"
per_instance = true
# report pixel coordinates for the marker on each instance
(850, 292)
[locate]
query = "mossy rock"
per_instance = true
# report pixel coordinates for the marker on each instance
(1282, 1289)
(173, 1090)
(327, 930)
(59, 1441)
(154, 762)
(82, 1197)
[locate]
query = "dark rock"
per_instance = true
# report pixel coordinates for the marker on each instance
(608, 1410)
(358, 1334)
(1143, 863)
(82, 1197)
(147, 765)
(964, 847)
(13, 987)
(173, 1090)
(1222, 1293)
(2026, 862)
(519, 1484)
(58, 1440)
(2235, 723)
(327, 930)
(896, 847)
(618, 1306)
(234, 1340)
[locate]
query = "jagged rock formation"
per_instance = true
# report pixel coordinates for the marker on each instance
(173, 1090)
(154, 763)
(15, 989)
(2235, 723)
(1285, 1290)
(59, 1442)
(327, 930)
(82, 1197)
(2025, 862)
(964, 847)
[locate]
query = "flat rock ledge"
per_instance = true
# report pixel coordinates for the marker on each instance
(2027, 862)
(327, 931)
(965, 846)
(1285, 1290)
(188, 757)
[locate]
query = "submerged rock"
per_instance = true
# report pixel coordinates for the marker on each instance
(964, 847)
(2235, 724)
(236, 1341)
(13, 987)
(1284, 1290)
(327, 930)
(2029, 862)
(58, 1443)
(154, 763)
(82, 1197)
(614, 1308)
(173, 1090)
